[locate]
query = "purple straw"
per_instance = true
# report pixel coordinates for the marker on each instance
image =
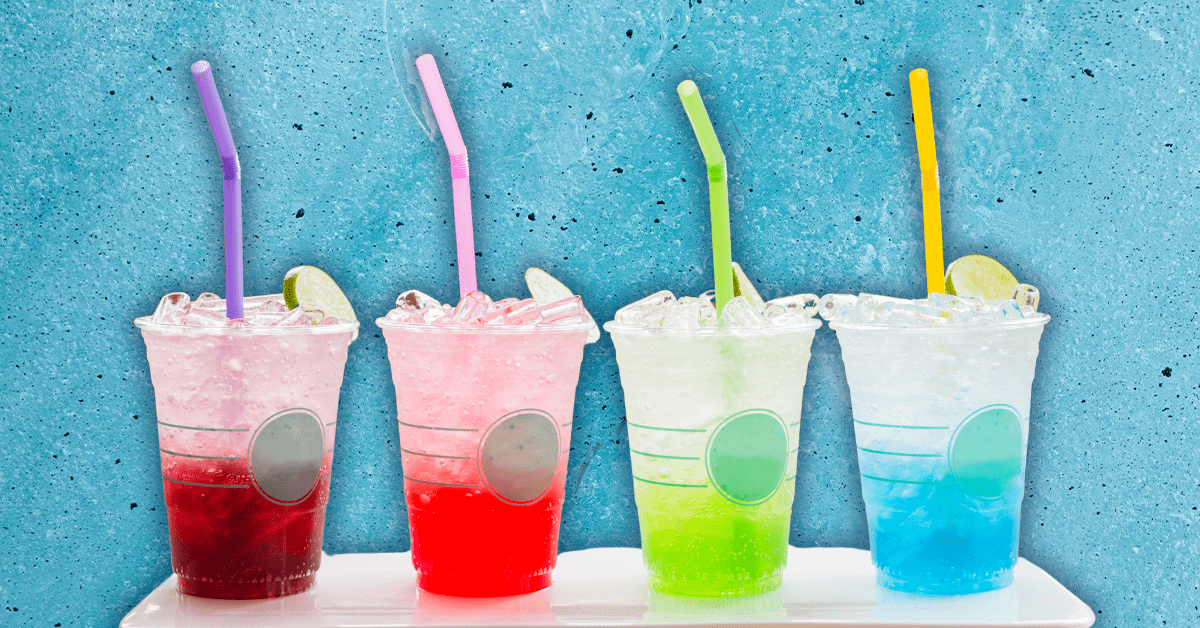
(232, 171)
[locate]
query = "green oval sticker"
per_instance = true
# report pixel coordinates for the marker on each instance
(747, 456)
(985, 452)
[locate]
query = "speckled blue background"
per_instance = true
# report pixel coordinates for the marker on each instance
(1065, 134)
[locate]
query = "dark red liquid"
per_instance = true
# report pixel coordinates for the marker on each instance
(467, 542)
(233, 543)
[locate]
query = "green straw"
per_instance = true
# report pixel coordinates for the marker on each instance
(718, 190)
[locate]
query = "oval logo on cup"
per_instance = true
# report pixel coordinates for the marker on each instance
(285, 457)
(747, 456)
(518, 456)
(986, 451)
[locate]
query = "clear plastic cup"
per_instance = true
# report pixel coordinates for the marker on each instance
(485, 429)
(941, 421)
(246, 420)
(714, 426)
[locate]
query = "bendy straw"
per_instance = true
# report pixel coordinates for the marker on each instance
(436, 91)
(718, 190)
(232, 171)
(935, 270)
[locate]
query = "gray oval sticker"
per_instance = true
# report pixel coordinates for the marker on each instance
(519, 456)
(285, 455)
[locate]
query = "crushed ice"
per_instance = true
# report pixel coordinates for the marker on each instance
(476, 308)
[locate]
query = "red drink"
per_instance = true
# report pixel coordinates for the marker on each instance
(510, 549)
(233, 543)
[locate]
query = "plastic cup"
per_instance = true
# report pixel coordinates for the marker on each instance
(714, 425)
(941, 421)
(485, 429)
(246, 419)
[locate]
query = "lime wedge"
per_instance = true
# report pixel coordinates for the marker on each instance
(310, 287)
(546, 289)
(979, 276)
(743, 287)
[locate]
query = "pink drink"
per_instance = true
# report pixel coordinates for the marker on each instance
(246, 419)
(485, 429)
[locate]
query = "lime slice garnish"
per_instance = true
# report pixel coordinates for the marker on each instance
(310, 287)
(546, 289)
(743, 287)
(979, 276)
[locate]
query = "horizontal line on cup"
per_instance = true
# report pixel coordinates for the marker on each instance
(670, 484)
(206, 429)
(206, 485)
(665, 429)
(442, 483)
(175, 453)
(871, 477)
(789, 479)
(560, 478)
(797, 448)
(794, 424)
(567, 450)
(905, 427)
(443, 429)
(330, 423)
(420, 453)
(896, 453)
(329, 450)
(662, 455)
(565, 424)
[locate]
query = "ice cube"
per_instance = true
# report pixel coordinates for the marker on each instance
(264, 319)
(471, 308)
(295, 318)
(404, 316)
(201, 317)
(416, 301)
(173, 302)
(1027, 295)
(739, 313)
(566, 311)
(207, 298)
(649, 311)
(272, 306)
(514, 314)
(686, 314)
(503, 303)
(947, 302)
(835, 305)
(236, 323)
(431, 316)
(330, 320)
(805, 304)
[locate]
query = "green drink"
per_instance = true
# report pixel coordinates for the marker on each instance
(714, 425)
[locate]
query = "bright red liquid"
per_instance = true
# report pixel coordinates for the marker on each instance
(233, 543)
(467, 542)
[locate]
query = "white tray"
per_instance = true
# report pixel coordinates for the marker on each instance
(607, 587)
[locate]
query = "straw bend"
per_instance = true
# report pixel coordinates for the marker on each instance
(213, 110)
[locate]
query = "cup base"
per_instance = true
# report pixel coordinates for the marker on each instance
(936, 586)
(716, 588)
(246, 590)
(475, 587)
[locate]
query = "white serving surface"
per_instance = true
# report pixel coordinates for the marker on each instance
(606, 587)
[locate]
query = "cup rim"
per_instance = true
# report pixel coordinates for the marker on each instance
(145, 324)
(1039, 321)
(383, 323)
(613, 327)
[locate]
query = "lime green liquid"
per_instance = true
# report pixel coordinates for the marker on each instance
(697, 543)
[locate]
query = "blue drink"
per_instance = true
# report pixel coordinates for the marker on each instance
(941, 421)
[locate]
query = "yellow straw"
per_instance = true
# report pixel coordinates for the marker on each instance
(935, 269)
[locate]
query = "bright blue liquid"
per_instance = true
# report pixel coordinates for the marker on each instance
(937, 539)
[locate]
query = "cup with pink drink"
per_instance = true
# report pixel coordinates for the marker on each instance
(485, 394)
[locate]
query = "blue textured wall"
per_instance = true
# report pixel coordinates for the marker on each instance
(1067, 144)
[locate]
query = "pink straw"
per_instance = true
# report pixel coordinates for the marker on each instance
(436, 91)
